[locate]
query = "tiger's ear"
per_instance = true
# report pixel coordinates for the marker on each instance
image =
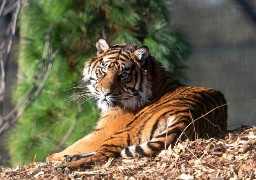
(101, 46)
(142, 54)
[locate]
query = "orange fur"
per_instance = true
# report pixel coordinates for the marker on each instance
(112, 121)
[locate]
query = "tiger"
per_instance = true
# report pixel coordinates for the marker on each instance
(143, 108)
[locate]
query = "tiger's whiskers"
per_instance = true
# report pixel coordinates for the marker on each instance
(83, 95)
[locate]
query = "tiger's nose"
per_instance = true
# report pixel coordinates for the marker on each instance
(106, 91)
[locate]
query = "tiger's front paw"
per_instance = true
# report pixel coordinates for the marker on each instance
(65, 167)
(55, 157)
(71, 165)
(75, 161)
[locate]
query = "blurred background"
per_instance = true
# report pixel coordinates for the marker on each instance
(43, 46)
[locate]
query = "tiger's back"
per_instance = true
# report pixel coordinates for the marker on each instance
(153, 109)
(203, 110)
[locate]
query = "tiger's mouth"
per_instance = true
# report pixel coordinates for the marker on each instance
(109, 101)
(106, 104)
(125, 101)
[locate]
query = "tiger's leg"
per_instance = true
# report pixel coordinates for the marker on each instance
(82, 148)
(88, 144)
(157, 143)
(110, 148)
(107, 125)
(118, 144)
(74, 163)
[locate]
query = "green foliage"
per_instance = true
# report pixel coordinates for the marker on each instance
(75, 27)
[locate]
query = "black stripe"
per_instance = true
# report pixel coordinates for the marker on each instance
(132, 67)
(153, 65)
(204, 102)
(136, 76)
(175, 130)
(153, 148)
(131, 89)
(119, 132)
(140, 132)
(125, 56)
(92, 66)
(104, 116)
(155, 126)
(140, 151)
(115, 153)
(118, 46)
(141, 81)
(122, 59)
(97, 129)
(111, 146)
(128, 152)
(112, 57)
(178, 133)
(127, 49)
(128, 140)
(113, 51)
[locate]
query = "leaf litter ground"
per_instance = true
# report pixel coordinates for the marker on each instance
(232, 156)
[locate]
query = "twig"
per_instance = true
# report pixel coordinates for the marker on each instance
(71, 128)
(2, 7)
(9, 8)
(12, 34)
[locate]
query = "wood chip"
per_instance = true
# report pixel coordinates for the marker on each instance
(230, 157)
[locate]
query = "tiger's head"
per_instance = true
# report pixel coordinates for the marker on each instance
(117, 76)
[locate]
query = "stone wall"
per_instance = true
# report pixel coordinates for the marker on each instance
(224, 51)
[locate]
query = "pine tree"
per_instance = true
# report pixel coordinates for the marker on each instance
(71, 29)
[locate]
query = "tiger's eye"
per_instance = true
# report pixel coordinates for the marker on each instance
(124, 74)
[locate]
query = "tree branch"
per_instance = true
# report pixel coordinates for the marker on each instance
(5, 52)
(40, 77)
(2, 7)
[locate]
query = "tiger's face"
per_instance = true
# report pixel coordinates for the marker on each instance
(117, 76)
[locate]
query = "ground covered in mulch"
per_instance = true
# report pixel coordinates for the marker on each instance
(230, 157)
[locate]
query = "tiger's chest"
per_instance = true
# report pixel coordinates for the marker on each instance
(113, 121)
